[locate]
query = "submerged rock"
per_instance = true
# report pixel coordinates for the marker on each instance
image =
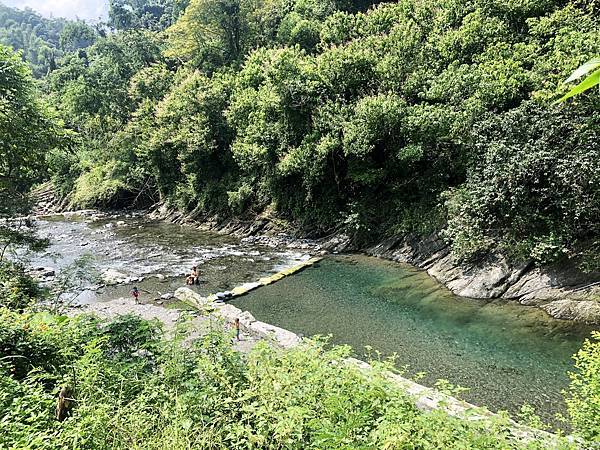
(586, 311)
(496, 277)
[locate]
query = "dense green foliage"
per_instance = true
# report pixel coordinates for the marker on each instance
(412, 116)
(584, 394)
(42, 41)
(133, 389)
(28, 134)
(17, 290)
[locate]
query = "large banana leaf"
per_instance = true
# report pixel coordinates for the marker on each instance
(592, 80)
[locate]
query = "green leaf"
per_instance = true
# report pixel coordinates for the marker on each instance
(588, 83)
(584, 69)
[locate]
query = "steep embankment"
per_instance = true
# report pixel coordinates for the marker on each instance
(562, 291)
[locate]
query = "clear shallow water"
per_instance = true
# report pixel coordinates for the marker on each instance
(136, 247)
(505, 353)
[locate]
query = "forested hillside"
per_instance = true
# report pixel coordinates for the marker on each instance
(402, 117)
(335, 116)
(42, 41)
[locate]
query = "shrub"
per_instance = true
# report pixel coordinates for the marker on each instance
(583, 399)
(533, 190)
(134, 389)
(17, 289)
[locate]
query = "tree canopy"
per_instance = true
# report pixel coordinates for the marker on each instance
(373, 118)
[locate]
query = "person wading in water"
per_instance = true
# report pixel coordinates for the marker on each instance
(194, 277)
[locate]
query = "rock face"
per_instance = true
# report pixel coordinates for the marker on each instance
(563, 292)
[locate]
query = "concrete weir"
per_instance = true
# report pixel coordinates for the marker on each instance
(214, 304)
(196, 300)
(426, 399)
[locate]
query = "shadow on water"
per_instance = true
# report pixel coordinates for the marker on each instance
(506, 354)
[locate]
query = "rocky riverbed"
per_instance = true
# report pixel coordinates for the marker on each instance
(98, 257)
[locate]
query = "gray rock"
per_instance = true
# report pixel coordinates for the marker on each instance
(188, 296)
(586, 311)
(46, 272)
(283, 338)
(494, 277)
(167, 296)
(112, 276)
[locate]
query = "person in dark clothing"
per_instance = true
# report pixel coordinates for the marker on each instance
(135, 293)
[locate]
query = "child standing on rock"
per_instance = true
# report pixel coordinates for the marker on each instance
(236, 325)
(135, 293)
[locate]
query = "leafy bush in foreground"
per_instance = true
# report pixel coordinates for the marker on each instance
(584, 394)
(134, 389)
(17, 290)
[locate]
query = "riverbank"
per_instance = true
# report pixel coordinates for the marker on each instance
(563, 291)
(218, 315)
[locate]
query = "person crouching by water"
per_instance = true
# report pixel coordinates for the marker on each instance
(135, 293)
(194, 277)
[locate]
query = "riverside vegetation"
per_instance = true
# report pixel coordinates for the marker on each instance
(402, 117)
(407, 117)
(134, 388)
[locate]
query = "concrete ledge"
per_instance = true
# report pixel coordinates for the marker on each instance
(427, 399)
(270, 333)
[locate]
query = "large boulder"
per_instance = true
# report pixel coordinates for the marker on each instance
(192, 298)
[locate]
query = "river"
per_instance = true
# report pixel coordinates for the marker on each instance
(504, 353)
